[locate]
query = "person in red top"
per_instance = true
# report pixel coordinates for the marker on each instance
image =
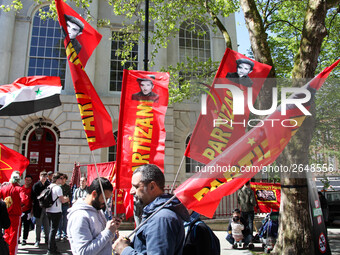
(15, 197)
(27, 208)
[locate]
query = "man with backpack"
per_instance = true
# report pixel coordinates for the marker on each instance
(199, 238)
(54, 212)
(38, 212)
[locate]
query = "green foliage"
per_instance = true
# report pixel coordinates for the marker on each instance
(326, 138)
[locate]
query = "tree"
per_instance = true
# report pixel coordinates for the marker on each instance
(293, 36)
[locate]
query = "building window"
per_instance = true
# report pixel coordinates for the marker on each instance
(194, 44)
(190, 164)
(112, 156)
(47, 52)
(116, 68)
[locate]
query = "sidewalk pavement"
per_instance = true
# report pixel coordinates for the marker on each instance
(64, 246)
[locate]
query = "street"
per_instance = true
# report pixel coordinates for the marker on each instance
(64, 246)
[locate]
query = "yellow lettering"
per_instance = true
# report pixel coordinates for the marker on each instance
(139, 130)
(145, 110)
(215, 184)
(209, 153)
(217, 146)
(84, 109)
(199, 195)
(87, 123)
(139, 158)
(144, 122)
(220, 135)
(136, 146)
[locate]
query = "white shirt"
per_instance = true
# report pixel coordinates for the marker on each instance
(56, 193)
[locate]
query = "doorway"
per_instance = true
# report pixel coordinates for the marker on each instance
(41, 152)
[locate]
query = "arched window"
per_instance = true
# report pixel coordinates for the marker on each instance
(116, 67)
(47, 52)
(194, 43)
(191, 164)
(112, 155)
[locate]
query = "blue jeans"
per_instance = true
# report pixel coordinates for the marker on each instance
(63, 221)
(54, 223)
(249, 217)
(246, 240)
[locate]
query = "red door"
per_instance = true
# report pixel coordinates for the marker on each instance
(41, 153)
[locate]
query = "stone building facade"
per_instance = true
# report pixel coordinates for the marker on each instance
(63, 141)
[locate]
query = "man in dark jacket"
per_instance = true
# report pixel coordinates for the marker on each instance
(164, 232)
(38, 212)
(244, 67)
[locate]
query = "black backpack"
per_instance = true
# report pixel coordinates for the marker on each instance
(45, 198)
(191, 240)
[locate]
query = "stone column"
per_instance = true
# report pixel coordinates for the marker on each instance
(7, 21)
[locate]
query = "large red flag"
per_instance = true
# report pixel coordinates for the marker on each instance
(10, 161)
(207, 141)
(80, 41)
(141, 132)
(80, 38)
(106, 170)
(243, 159)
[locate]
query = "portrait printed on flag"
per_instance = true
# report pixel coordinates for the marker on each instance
(74, 28)
(244, 67)
(146, 85)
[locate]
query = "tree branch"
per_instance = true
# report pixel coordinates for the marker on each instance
(284, 21)
(332, 3)
(220, 25)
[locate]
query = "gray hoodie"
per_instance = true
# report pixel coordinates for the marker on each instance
(86, 230)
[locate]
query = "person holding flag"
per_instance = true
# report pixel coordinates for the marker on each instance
(14, 197)
(164, 232)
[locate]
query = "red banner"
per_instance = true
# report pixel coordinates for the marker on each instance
(209, 140)
(80, 41)
(124, 198)
(106, 170)
(246, 157)
(80, 38)
(141, 135)
(10, 161)
(268, 196)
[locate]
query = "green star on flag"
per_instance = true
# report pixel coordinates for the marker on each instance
(38, 92)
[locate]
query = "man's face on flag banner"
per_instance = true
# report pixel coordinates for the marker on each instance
(146, 87)
(139, 190)
(73, 30)
(243, 69)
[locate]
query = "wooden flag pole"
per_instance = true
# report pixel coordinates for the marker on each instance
(100, 183)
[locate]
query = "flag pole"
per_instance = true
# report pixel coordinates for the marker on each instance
(115, 208)
(100, 183)
(179, 168)
(147, 219)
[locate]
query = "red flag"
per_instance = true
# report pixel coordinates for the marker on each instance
(243, 159)
(141, 135)
(76, 175)
(106, 170)
(207, 141)
(10, 161)
(96, 120)
(80, 38)
(30, 94)
(267, 195)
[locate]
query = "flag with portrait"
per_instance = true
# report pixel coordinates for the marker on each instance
(141, 131)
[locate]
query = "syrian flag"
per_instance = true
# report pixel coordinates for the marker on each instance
(30, 94)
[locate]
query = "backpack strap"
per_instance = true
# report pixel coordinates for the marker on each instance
(52, 193)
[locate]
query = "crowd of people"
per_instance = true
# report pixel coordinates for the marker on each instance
(24, 212)
(78, 216)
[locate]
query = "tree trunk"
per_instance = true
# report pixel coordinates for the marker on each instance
(295, 226)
